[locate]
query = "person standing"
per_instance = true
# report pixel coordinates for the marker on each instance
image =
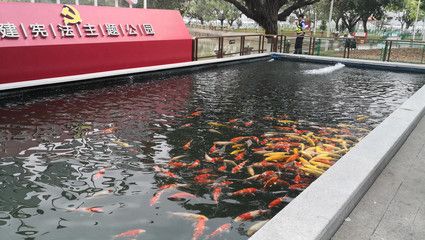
(300, 34)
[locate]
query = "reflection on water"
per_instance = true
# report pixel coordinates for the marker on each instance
(82, 165)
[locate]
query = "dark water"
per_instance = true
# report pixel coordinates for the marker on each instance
(52, 148)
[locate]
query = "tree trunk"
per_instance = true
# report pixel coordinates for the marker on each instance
(365, 26)
(202, 21)
(270, 27)
(337, 24)
(222, 23)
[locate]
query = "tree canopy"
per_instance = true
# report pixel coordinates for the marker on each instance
(268, 12)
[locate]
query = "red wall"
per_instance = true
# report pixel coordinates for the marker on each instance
(35, 58)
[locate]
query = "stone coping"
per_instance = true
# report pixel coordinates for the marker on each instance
(318, 211)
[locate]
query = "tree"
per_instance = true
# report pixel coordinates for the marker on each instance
(406, 11)
(350, 12)
(201, 10)
(268, 12)
(180, 5)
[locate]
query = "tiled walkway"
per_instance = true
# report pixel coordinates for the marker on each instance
(394, 207)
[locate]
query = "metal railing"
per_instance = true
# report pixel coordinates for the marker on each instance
(380, 50)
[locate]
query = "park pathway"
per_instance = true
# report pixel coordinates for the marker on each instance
(394, 206)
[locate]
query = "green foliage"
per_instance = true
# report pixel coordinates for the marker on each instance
(180, 5)
(207, 10)
(407, 11)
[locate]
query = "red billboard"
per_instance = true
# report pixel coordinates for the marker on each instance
(39, 41)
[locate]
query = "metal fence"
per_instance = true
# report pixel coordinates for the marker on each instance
(379, 50)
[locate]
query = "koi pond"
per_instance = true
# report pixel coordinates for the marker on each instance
(211, 154)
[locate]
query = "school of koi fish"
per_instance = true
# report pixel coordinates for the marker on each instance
(272, 168)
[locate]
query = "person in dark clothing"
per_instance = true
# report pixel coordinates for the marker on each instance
(300, 34)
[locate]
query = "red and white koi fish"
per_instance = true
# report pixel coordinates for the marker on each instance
(277, 202)
(181, 196)
(88, 210)
(250, 215)
(99, 174)
(175, 164)
(195, 164)
(156, 197)
(130, 233)
(244, 192)
(164, 173)
(275, 181)
(223, 228)
(212, 160)
(213, 149)
(101, 193)
(248, 124)
(187, 125)
(199, 228)
(204, 178)
(216, 194)
(239, 167)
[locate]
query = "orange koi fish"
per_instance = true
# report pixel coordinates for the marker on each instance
(277, 202)
(109, 130)
(240, 156)
(297, 179)
(294, 157)
(181, 196)
(223, 228)
(187, 125)
(216, 194)
(199, 228)
(196, 114)
(156, 197)
(233, 120)
(299, 186)
(244, 192)
(187, 145)
(250, 215)
(130, 233)
(239, 167)
(222, 168)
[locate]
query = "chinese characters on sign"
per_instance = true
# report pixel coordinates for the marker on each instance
(13, 31)
(72, 26)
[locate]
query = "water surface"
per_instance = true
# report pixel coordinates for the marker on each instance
(53, 147)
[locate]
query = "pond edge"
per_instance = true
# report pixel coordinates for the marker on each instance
(319, 211)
